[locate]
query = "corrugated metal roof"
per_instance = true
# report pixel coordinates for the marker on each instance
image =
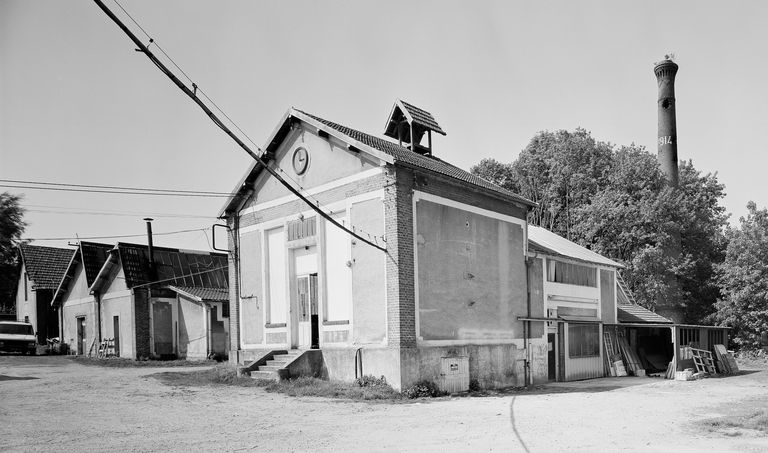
(546, 241)
(173, 267)
(45, 266)
(638, 314)
(202, 294)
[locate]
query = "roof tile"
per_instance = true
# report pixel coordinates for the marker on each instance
(45, 266)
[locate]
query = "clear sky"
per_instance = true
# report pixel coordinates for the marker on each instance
(79, 105)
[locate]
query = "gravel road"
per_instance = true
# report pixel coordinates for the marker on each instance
(54, 404)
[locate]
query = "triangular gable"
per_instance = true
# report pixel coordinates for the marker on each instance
(45, 266)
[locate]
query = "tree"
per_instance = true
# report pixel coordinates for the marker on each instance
(743, 278)
(617, 203)
(11, 228)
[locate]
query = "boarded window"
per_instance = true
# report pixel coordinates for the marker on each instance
(583, 340)
(571, 274)
(276, 269)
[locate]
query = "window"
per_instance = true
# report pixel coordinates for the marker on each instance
(338, 304)
(571, 274)
(25, 286)
(276, 268)
(583, 340)
(689, 337)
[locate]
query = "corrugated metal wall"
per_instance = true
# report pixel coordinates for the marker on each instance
(583, 367)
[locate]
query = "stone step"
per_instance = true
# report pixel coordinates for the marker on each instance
(280, 363)
(269, 375)
(285, 357)
(269, 368)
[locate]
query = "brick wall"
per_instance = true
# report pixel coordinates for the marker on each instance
(398, 225)
(329, 196)
(141, 321)
(234, 291)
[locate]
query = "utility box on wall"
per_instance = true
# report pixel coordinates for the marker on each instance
(454, 374)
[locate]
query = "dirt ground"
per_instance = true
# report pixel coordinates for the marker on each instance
(51, 403)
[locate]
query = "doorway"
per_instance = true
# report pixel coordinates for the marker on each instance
(116, 334)
(551, 357)
(306, 299)
(81, 338)
(162, 328)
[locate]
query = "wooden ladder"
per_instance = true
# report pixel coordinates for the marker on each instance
(625, 289)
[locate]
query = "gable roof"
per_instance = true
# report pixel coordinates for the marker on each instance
(45, 266)
(183, 268)
(92, 255)
(378, 147)
(418, 117)
(542, 240)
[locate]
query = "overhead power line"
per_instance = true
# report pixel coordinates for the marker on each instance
(192, 94)
(91, 186)
(114, 237)
(118, 192)
(47, 209)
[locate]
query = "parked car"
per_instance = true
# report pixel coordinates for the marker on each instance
(17, 337)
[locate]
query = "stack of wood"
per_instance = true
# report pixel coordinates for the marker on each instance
(726, 364)
(630, 358)
(670, 374)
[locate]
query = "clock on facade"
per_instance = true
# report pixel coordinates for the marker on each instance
(300, 160)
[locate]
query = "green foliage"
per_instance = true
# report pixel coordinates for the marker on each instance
(11, 228)
(372, 381)
(423, 389)
(743, 277)
(616, 202)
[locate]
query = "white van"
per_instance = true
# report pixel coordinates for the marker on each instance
(17, 337)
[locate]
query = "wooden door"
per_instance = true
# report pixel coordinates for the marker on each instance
(162, 328)
(81, 337)
(552, 356)
(116, 332)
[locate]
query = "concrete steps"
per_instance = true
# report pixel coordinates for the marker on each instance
(271, 370)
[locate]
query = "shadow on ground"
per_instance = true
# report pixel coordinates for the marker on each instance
(16, 378)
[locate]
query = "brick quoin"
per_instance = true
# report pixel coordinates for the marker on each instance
(398, 225)
(234, 296)
(141, 322)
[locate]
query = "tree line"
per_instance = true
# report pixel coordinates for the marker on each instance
(614, 200)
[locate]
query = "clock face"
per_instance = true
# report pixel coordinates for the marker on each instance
(300, 161)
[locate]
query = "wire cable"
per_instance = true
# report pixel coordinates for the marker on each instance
(114, 237)
(116, 192)
(90, 186)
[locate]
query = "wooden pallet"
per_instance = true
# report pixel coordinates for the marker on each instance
(704, 361)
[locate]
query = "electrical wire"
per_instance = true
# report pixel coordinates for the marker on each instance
(89, 186)
(44, 209)
(117, 192)
(192, 93)
(114, 237)
(181, 276)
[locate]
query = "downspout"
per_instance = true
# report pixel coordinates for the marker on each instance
(527, 324)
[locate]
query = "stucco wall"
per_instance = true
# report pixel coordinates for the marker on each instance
(471, 275)
(251, 289)
(328, 161)
(76, 303)
(26, 303)
(193, 339)
(119, 304)
(368, 276)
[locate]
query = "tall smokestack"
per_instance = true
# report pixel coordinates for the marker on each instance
(152, 273)
(665, 71)
(669, 304)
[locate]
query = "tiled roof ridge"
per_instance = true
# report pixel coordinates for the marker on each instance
(169, 249)
(405, 156)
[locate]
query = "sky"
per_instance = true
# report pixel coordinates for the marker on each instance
(79, 105)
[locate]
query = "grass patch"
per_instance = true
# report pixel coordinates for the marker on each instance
(117, 362)
(225, 374)
(756, 420)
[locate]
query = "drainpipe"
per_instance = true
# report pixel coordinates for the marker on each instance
(527, 324)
